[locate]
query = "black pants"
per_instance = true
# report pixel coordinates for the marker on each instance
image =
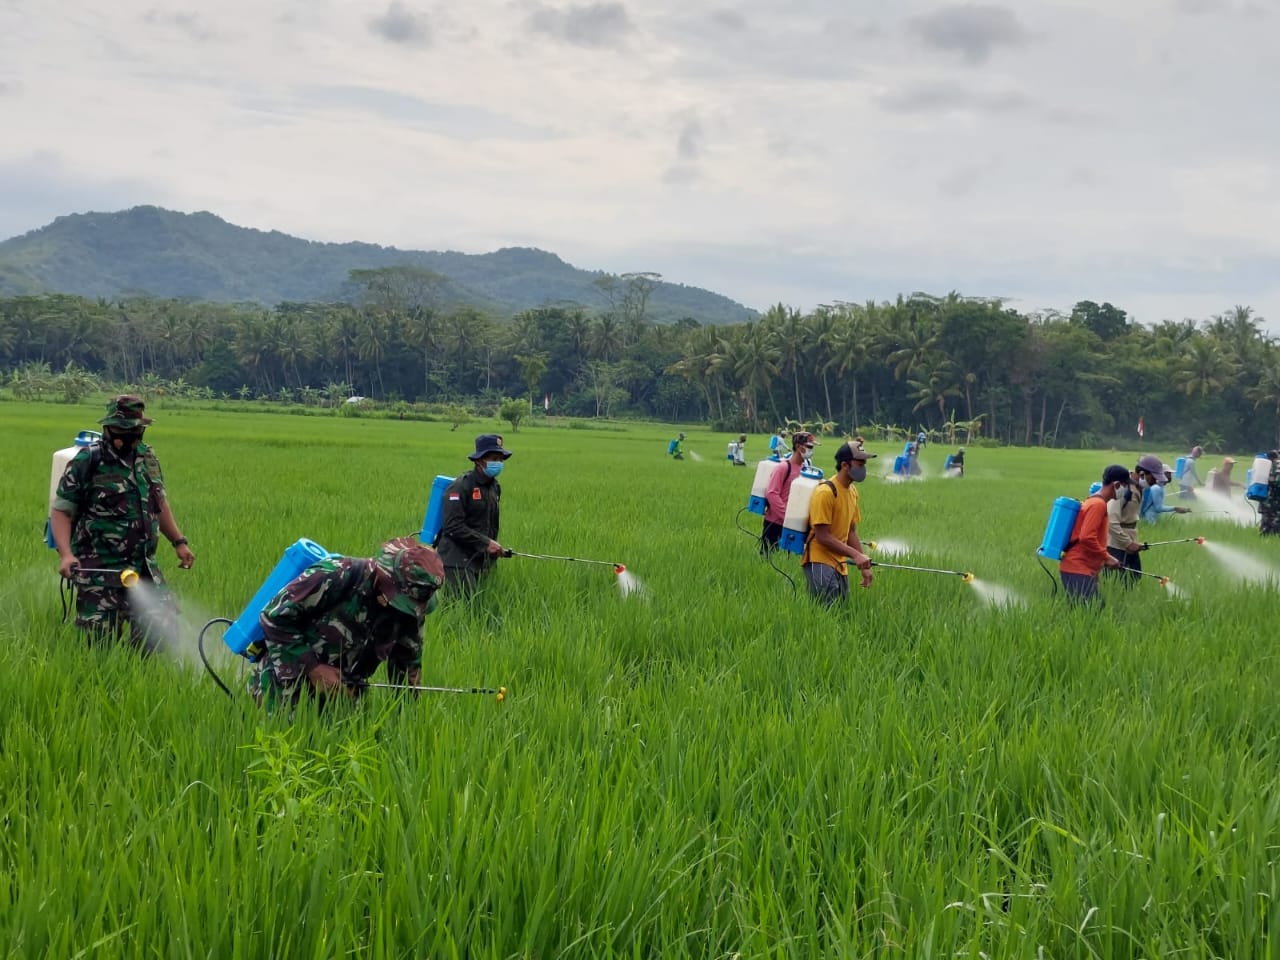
(1081, 588)
(769, 538)
(1132, 566)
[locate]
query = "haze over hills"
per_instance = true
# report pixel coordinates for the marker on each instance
(199, 256)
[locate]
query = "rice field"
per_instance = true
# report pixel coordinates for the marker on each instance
(710, 766)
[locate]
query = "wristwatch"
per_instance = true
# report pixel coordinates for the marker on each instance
(181, 542)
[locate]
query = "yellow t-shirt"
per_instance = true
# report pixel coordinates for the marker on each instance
(840, 511)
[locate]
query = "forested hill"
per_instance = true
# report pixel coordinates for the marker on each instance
(198, 256)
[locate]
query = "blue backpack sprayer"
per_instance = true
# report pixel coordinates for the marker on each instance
(1057, 536)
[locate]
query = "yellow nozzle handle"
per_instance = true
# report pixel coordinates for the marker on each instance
(128, 578)
(502, 694)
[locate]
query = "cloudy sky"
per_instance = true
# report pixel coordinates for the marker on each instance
(801, 151)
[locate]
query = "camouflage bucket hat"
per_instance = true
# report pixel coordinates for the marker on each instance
(126, 412)
(412, 574)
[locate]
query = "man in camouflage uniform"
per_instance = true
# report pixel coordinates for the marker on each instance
(328, 629)
(108, 513)
(1270, 507)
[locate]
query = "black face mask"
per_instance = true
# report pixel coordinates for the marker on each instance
(128, 441)
(857, 474)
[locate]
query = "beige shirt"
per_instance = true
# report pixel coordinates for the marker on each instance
(1122, 521)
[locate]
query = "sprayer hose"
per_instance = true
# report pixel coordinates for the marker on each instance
(205, 660)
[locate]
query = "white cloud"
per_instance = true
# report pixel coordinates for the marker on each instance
(801, 152)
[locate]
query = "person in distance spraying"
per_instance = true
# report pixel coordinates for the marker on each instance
(779, 489)
(468, 541)
(1151, 479)
(676, 447)
(1086, 554)
(1190, 479)
(834, 515)
(1219, 480)
(108, 514)
(326, 631)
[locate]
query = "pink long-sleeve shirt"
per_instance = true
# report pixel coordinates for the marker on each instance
(778, 490)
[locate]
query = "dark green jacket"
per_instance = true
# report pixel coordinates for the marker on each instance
(469, 521)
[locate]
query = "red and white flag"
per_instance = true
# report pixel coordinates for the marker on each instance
(1141, 432)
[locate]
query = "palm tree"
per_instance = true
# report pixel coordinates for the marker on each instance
(606, 338)
(371, 342)
(1202, 370)
(787, 328)
(1266, 392)
(936, 386)
(756, 361)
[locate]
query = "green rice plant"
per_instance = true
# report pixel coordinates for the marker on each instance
(712, 767)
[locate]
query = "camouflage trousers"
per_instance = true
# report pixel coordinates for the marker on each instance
(1270, 513)
(271, 691)
(149, 611)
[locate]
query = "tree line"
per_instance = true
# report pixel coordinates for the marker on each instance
(1078, 379)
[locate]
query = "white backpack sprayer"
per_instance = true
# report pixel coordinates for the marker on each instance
(1257, 478)
(795, 531)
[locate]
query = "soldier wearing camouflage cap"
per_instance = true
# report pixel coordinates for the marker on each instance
(329, 628)
(109, 512)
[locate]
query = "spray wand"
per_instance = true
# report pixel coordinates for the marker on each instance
(964, 575)
(498, 693)
(1161, 543)
(617, 567)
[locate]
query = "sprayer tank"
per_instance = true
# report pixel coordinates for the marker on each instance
(1057, 532)
(244, 637)
(1257, 477)
(795, 522)
(764, 470)
(60, 460)
(434, 515)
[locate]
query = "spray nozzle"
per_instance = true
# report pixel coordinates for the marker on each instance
(1164, 581)
(1200, 540)
(619, 569)
(128, 577)
(967, 577)
(502, 694)
(870, 544)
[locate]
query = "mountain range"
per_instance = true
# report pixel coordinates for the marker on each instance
(199, 256)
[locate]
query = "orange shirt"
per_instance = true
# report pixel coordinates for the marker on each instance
(1088, 553)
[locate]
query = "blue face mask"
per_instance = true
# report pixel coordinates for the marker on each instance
(493, 467)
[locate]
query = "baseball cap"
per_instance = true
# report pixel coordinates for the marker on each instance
(411, 574)
(847, 452)
(803, 437)
(125, 412)
(488, 443)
